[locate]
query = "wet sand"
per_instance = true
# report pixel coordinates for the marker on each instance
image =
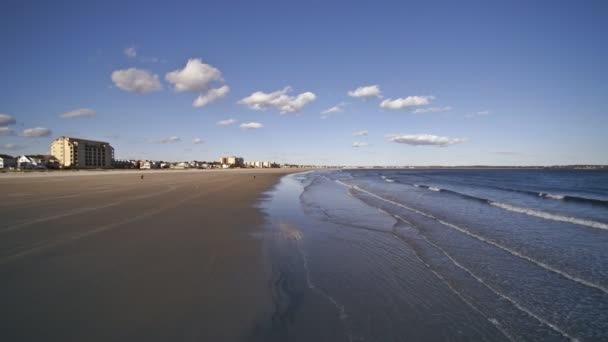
(111, 257)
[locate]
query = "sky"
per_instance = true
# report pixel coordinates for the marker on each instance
(313, 82)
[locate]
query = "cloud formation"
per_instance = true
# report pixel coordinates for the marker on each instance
(366, 92)
(210, 96)
(6, 120)
(360, 144)
(226, 122)
(278, 99)
(169, 140)
(130, 52)
(36, 132)
(432, 109)
(332, 110)
(197, 141)
(406, 102)
(361, 133)
(79, 113)
(251, 125)
(423, 139)
(195, 76)
(136, 80)
(11, 147)
(4, 131)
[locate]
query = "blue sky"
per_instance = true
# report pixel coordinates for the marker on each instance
(483, 82)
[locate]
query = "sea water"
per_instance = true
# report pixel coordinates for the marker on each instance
(438, 255)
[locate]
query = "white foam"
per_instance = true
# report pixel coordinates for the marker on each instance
(550, 216)
(432, 188)
(483, 239)
(552, 196)
(389, 180)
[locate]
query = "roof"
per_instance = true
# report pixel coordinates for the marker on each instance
(84, 140)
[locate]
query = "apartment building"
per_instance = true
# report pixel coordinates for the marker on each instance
(232, 161)
(82, 153)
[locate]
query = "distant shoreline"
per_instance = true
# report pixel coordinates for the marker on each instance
(99, 172)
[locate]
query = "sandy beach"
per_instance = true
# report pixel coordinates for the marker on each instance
(109, 256)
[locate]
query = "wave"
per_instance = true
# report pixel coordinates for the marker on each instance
(547, 195)
(428, 187)
(555, 196)
(482, 239)
(495, 291)
(388, 179)
(550, 216)
(522, 210)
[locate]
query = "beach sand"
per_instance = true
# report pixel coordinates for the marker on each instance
(108, 256)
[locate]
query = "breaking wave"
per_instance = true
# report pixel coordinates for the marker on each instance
(481, 238)
(527, 211)
(550, 216)
(559, 197)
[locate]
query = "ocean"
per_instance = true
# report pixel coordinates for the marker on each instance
(439, 255)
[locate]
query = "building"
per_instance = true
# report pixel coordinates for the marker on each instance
(232, 161)
(6, 161)
(261, 164)
(124, 164)
(82, 153)
(25, 162)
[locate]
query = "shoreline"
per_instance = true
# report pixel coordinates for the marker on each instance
(102, 172)
(120, 258)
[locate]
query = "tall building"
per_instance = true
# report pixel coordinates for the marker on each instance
(81, 153)
(232, 161)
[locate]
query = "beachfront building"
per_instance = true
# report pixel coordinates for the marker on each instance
(82, 153)
(25, 162)
(7, 161)
(232, 162)
(261, 164)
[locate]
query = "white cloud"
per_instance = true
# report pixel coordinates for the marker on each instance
(480, 113)
(332, 110)
(423, 139)
(136, 80)
(11, 147)
(361, 133)
(406, 102)
(197, 141)
(130, 52)
(195, 76)
(251, 125)
(79, 113)
(36, 132)
(360, 144)
(6, 131)
(226, 122)
(278, 99)
(210, 96)
(169, 139)
(6, 120)
(432, 109)
(367, 91)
